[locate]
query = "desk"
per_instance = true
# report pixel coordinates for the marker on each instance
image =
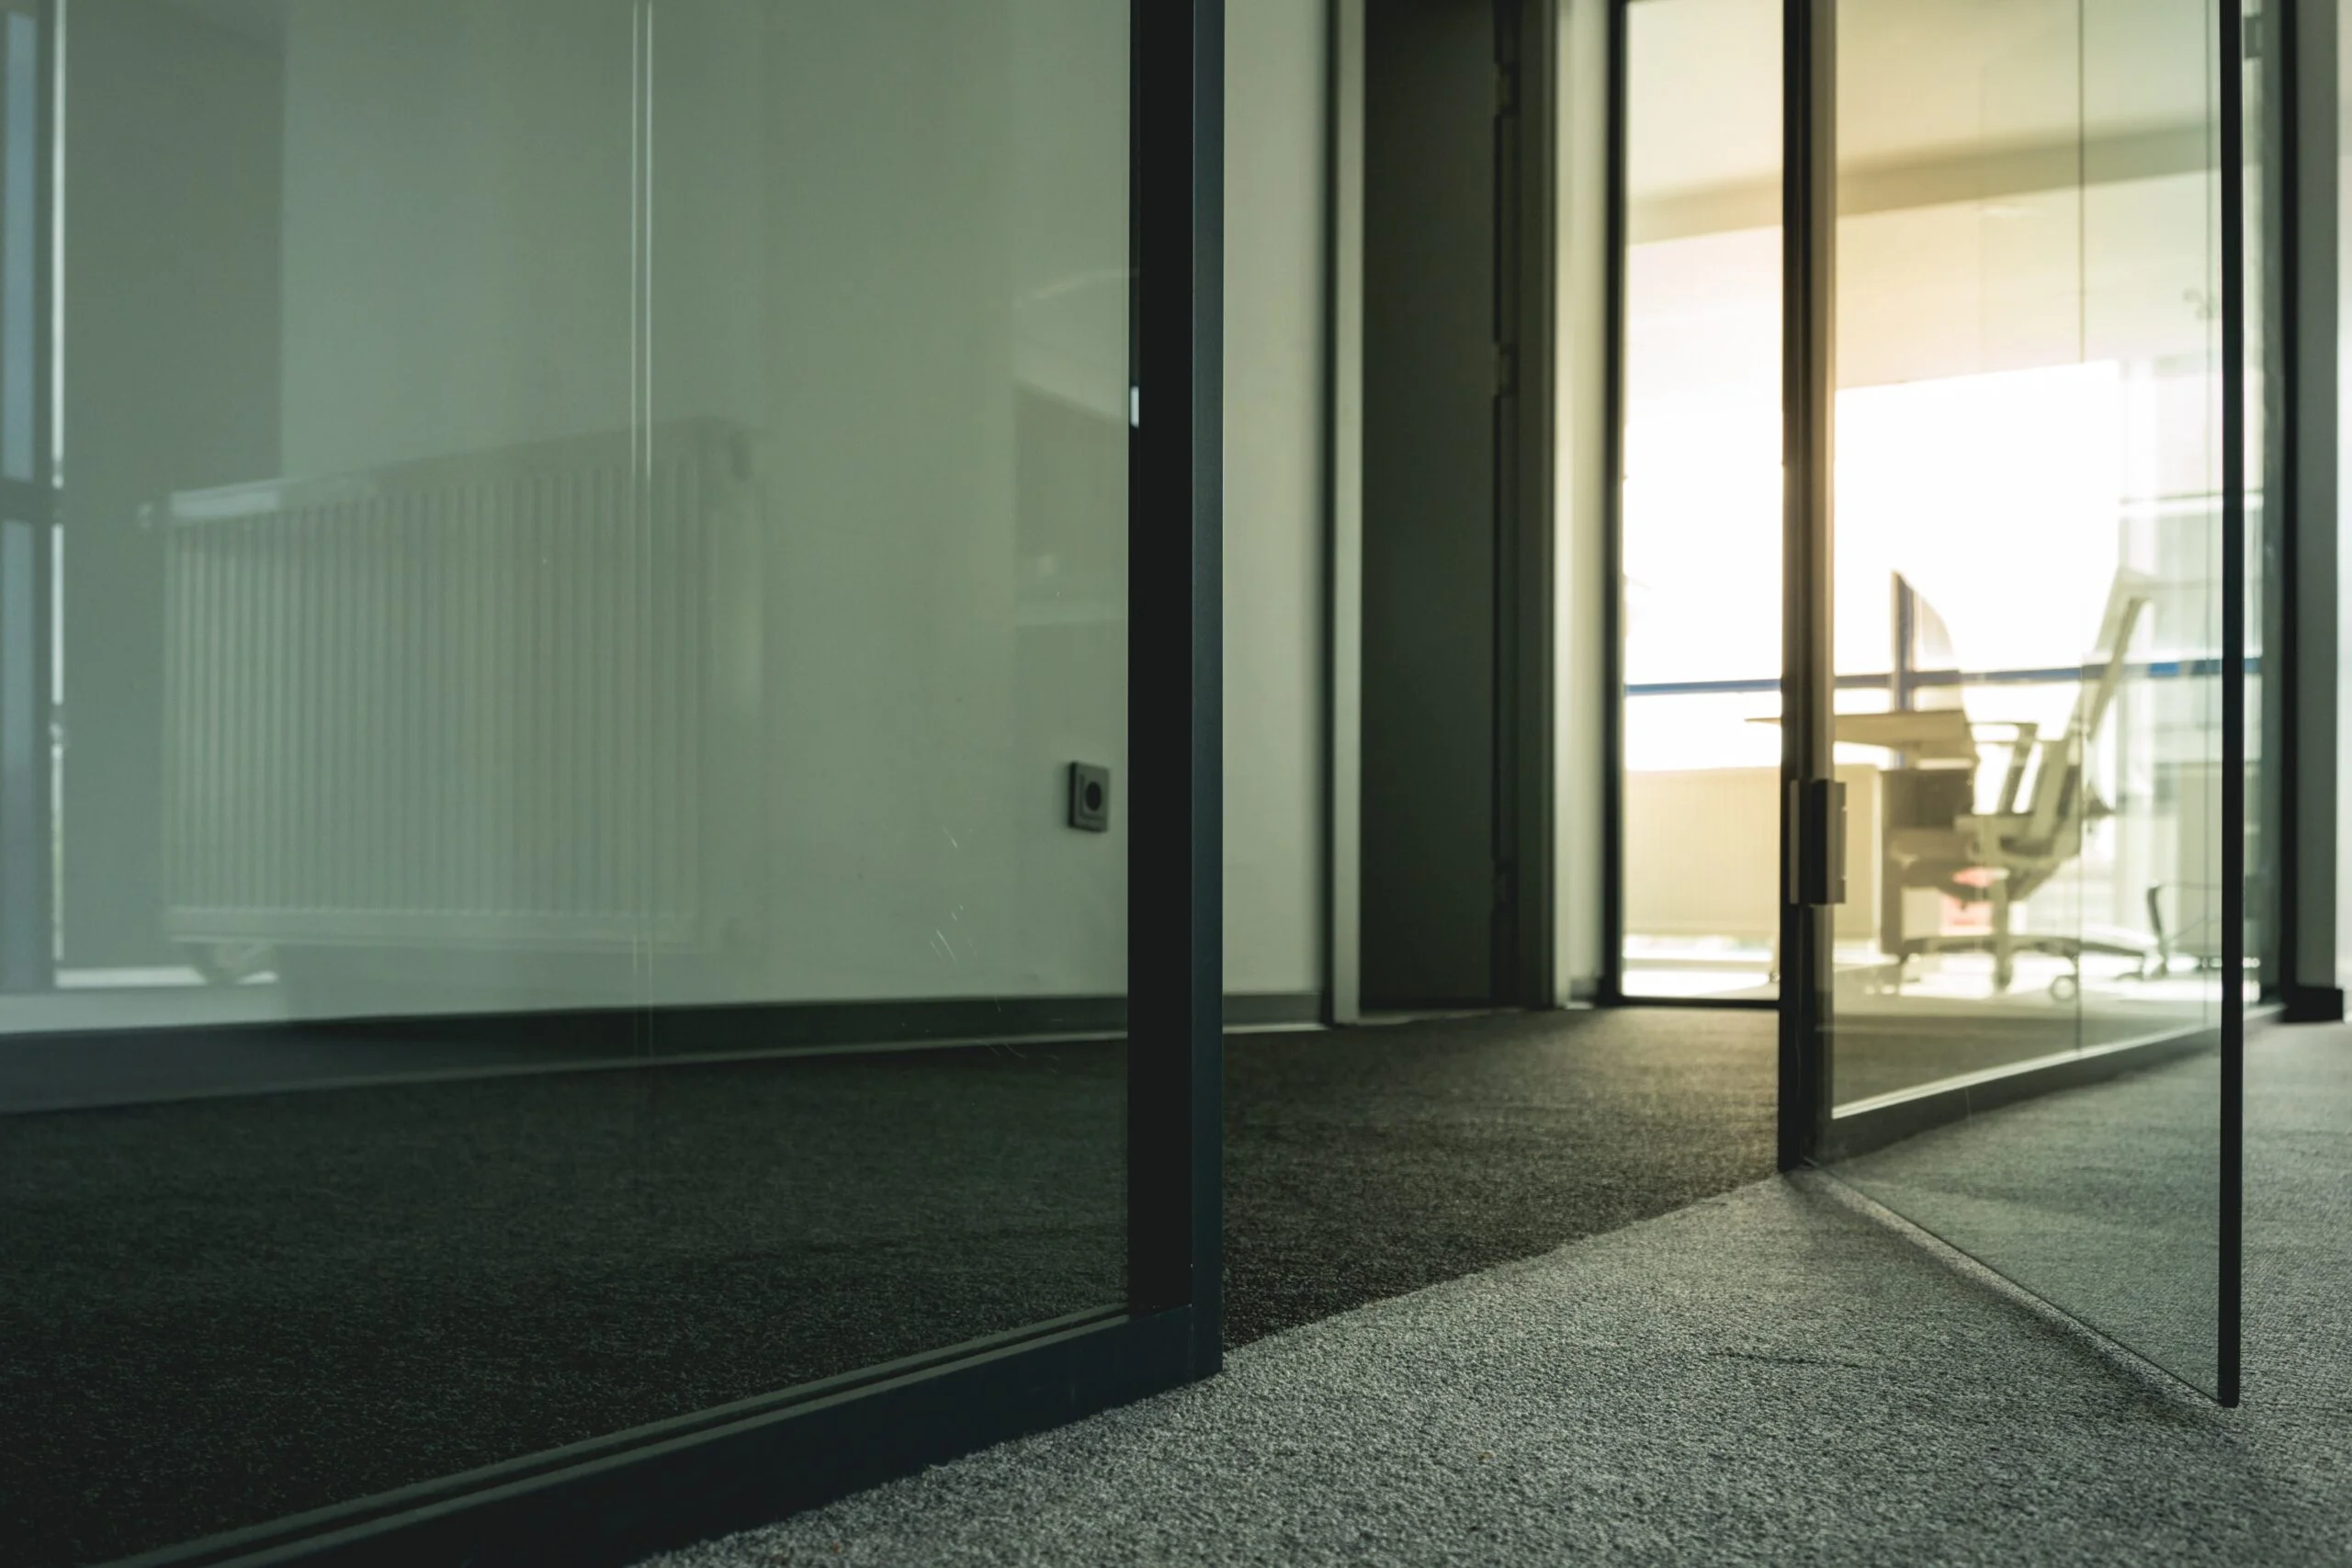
(1921, 735)
(1932, 785)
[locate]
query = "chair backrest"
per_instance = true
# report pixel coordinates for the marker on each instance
(2058, 796)
(1925, 648)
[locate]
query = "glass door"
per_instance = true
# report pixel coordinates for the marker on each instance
(595, 906)
(2022, 1024)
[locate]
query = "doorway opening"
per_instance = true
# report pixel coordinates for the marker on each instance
(1453, 719)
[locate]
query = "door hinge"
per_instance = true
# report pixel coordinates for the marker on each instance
(2251, 28)
(1505, 90)
(1506, 369)
(1816, 841)
(1506, 886)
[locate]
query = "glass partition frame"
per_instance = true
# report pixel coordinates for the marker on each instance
(618, 1498)
(1810, 1133)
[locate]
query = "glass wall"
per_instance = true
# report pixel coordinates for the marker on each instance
(2026, 521)
(558, 557)
(2029, 530)
(1699, 520)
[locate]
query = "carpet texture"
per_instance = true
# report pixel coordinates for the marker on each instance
(1370, 1162)
(216, 1312)
(2104, 1200)
(1770, 1376)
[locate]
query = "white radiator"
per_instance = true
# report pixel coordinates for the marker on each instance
(460, 701)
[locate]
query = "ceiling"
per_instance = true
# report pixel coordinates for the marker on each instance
(1935, 82)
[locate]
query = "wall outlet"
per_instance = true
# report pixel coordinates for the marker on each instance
(1090, 797)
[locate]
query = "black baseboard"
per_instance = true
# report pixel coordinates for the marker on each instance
(1700, 1004)
(2312, 1004)
(608, 1504)
(1262, 1009)
(697, 1029)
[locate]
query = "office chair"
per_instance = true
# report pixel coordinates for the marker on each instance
(2004, 856)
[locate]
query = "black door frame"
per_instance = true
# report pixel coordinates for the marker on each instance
(1609, 982)
(2298, 615)
(2297, 871)
(617, 1499)
(2301, 617)
(1527, 301)
(1810, 824)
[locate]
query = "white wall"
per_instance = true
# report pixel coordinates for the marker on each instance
(1274, 495)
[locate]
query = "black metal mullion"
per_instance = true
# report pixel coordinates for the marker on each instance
(1612, 522)
(2300, 203)
(1808, 206)
(2277, 867)
(2230, 60)
(1175, 1044)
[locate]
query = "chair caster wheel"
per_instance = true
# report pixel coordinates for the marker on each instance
(2065, 988)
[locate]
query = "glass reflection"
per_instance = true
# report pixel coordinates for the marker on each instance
(2027, 534)
(579, 542)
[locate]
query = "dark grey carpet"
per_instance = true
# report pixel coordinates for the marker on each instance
(1767, 1377)
(216, 1312)
(1369, 1162)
